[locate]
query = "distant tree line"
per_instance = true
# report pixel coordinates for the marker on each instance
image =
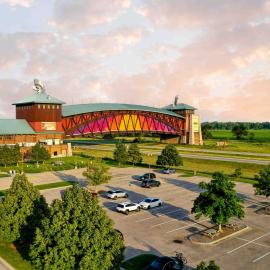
(230, 125)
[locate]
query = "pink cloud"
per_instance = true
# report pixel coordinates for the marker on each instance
(77, 15)
(23, 3)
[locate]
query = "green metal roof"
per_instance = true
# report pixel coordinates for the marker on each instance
(179, 106)
(69, 110)
(15, 127)
(40, 98)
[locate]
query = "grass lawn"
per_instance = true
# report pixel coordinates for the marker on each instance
(9, 253)
(68, 164)
(261, 135)
(191, 164)
(138, 262)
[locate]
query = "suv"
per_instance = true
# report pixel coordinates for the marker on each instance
(126, 207)
(114, 194)
(148, 183)
(147, 176)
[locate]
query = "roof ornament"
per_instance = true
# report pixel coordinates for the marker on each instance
(175, 101)
(38, 86)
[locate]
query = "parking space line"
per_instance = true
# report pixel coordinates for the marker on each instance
(258, 244)
(165, 222)
(189, 225)
(160, 215)
(261, 257)
(248, 243)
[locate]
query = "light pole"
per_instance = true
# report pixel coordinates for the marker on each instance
(149, 155)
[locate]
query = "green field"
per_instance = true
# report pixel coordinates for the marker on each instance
(191, 164)
(261, 135)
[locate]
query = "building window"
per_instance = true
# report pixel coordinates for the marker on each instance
(44, 107)
(52, 106)
(49, 106)
(58, 106)
(55, 153)
(38, 106)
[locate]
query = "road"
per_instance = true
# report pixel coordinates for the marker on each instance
(195, 156)
(216, 151)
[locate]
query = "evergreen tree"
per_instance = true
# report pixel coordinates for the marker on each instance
(21, 210)
(120, 153)
(169, 156)
(77, 234)
(39, 153)
(219, 202)
(262, 187)
(97, 173)
(134, 154)
(211, 266)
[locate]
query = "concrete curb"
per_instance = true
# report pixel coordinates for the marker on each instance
(221, 239)
(48, 189)
(6, 264)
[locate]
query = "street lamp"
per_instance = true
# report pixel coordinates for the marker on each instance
(149, 155)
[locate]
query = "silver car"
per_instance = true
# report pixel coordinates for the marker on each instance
(115, 194)
(150, 203)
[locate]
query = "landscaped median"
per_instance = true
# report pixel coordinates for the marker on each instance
(212, 236)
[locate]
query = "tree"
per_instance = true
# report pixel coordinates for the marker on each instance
(262, 187)
(237, 173)
(16, 154)
(134, 154)
(77, 234)
(206, 133)
(97, 173)
(120, 153)
(211, 266)
(39, 153)
(21, 210)
(6, 154)
(239, 131)
(219, 201)
(169, 156)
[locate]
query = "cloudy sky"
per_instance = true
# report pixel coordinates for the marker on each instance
(214, 54)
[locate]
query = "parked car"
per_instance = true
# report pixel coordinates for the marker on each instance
(148, 183)
(168, 171)
(147, 176)
(166, 263)
(114, 194)
(127, 207)
(150, 203)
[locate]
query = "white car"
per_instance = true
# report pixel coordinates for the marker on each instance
(114, 194)
(150, 202)
(127, 207)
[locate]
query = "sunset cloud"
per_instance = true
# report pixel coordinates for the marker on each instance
(214, 54)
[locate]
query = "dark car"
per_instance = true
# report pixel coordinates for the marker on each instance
(147, 176)
(168, 171)
(165, 263)
(148, 183)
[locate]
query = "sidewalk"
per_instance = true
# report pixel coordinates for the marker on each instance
(46, 177)
(4, 265)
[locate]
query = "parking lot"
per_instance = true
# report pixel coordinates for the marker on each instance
(164, 230)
